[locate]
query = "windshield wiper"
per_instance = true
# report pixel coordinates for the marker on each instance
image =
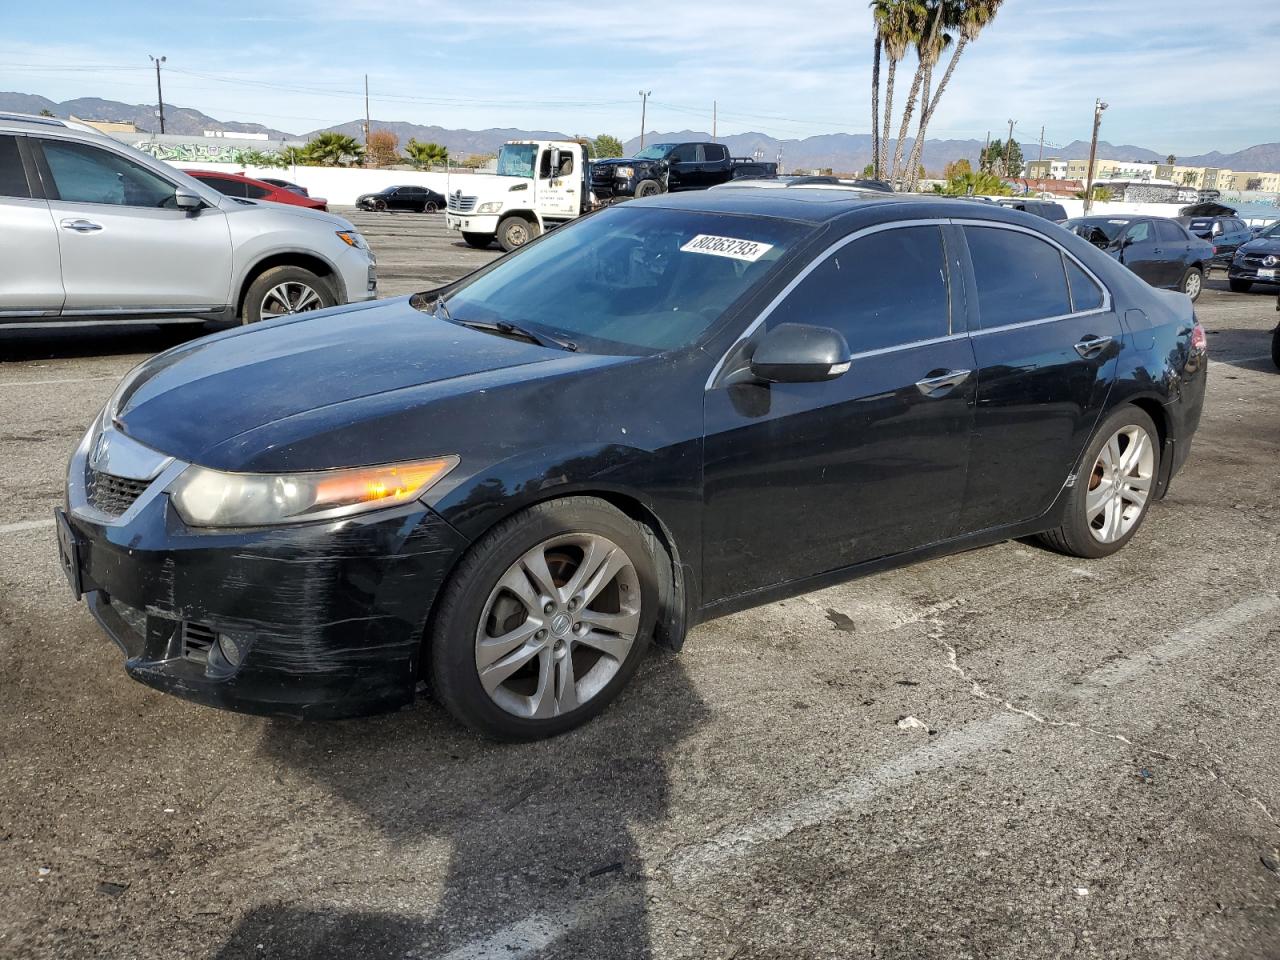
(507, 329)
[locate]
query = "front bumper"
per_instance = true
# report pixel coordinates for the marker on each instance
(327, 617)
(472, 223)
(1248, 271)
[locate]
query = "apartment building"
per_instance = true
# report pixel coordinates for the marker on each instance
(1201, 178)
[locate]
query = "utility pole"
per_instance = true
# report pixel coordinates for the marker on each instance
(644, 102)
(159, 95)
(1008, 148)
(1041, 144)
(715, 109)
(366, 113)
(982, 157)
(1098, 107)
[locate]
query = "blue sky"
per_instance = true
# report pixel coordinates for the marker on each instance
(1181, 76)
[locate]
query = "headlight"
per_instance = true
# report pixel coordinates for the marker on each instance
(493, 206)
(211, 498)
(624, 173)
(352, 239)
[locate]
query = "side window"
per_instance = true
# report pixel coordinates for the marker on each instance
(13, 179)
(1019, 276)
(1140, 232)
(1167, 232)
(881, 290)
(226, 186)
(1085, 294)
(566, 164)
(1239, 227)
(85, 174)
(253, 191)
(685, 153)
(544, 165)
(716, 152)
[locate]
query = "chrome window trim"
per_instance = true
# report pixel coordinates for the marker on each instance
(813, 265)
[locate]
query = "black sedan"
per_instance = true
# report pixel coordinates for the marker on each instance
(666, 411)
(415, 198)
(1256, 261)
(1157, 249)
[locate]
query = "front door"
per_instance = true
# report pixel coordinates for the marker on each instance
(801, 479)
(31, 278)
(124, 244)
(1046, 339)
(683, 167)
(559, 189)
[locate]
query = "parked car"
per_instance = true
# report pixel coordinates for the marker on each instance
(513, 483)
(1049, 209)
(668, 167)
(236, 185)
(1157, 249)
(1225, 234)
(411, 197)
(1256, 261)
(286, 184)
(96, 231)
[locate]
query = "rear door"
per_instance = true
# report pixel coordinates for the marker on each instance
(1174, 244)
(1140, 252)
(31, 275)
(805, 478)
(125, 246)
(1046, 340)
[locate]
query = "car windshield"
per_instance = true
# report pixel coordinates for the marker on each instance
(1272, 232)
(386, 191)
(1100, 231)
(1201, 228)
(656, 152)
(629, 280)
(516, 160)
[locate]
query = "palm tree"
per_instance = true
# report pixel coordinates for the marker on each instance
(426, 154)
(295, 156)
(969, 18)
(893, 28)
(932, 43)
(926, 21)
(875, 107)
(333, 149)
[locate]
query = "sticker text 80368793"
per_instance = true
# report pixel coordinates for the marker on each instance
(748, 250)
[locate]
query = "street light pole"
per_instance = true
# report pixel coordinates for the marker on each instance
(1098, 107)
(644, 102)
(159, 95)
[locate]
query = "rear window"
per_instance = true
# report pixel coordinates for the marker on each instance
(1020, 277)
(1170, 232)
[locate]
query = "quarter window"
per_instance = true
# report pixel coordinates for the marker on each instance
(1085, 294)
(13, 179)
(882, 290)
(1019, 276)
(86, 174)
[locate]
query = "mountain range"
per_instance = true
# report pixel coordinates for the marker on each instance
(843, 152)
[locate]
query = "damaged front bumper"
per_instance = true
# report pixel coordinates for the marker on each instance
(319, 619)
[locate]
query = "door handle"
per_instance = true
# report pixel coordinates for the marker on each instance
(81, 226)
(940, 385)
(1091, 346)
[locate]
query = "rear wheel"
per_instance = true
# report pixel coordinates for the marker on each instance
(1113, 487)
(286, 290)
(648, 188)
(1192, 283)
(515, 232)
(478, 240)
(1240, 286)
(545, 620)
(430, 207)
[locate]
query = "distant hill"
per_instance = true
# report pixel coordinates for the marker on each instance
(843, 152)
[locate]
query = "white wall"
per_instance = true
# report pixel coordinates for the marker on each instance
(339, 185)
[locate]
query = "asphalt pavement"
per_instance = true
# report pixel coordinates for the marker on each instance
(1002, 754)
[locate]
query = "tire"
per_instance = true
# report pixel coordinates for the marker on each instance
(1192, 283)
(430, 207)
(1240, 286)
(273, 287)
(1092, 537)
(515, 232)
(1275, 347)
(480, 241)
(477, 605)
(647, 188)
(380, 206)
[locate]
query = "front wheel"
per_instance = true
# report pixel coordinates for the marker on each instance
(1192, 283)
(380, 206)
(545, 620)
(480, 241)
(1113, 488)
(515, 232)
(286, 290)
(1240, 286)
(648, 188)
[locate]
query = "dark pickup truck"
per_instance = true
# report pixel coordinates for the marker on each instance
(667, 167)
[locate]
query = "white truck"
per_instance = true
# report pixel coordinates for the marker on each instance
(539, 184)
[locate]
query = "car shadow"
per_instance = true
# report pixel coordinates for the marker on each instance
(539, 834)
(90, 341)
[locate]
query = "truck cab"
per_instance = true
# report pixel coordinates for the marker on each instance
(668, 167)
(539, 184)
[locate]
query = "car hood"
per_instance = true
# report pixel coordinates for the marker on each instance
(233, 206)
(192, 401)
(1262, 245)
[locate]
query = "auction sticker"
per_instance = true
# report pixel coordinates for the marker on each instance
(735, 249)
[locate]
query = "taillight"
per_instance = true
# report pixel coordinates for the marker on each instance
(1199, 342)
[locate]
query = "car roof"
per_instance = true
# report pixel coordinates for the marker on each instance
(227, 174)
(11, 122)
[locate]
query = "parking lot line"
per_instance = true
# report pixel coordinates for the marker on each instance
(25, 525)
(701, 859)
(44, 383)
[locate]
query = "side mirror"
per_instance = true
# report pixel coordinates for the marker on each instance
(186, 200)
(799, 353)
(555, 164)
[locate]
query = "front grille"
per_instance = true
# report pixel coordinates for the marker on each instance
(113, 495)
(460, 204)
(1255, 259)
(197, 640)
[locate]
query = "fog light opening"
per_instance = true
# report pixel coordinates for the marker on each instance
(230, 650)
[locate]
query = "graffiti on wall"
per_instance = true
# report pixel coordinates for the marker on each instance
(191, 152)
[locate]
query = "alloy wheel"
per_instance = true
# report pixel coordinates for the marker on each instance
(1120, 484)
(1193, 285)
(289, 297)
(558, 626)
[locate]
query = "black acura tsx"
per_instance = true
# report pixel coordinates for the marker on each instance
(663, 412)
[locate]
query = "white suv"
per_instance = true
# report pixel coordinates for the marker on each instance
(95, 231)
